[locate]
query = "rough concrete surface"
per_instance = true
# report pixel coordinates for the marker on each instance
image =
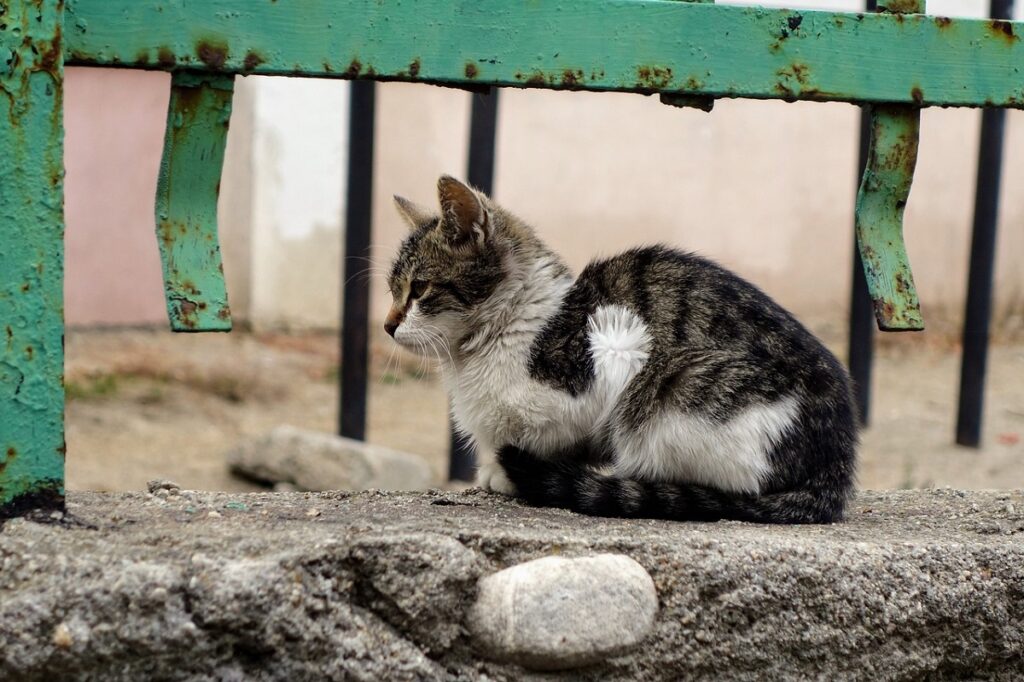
(376, 586)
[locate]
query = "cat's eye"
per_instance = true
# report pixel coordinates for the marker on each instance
(417, 288)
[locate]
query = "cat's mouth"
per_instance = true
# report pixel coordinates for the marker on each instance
(420, 343)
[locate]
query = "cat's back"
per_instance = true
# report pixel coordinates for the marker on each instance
(698, 316)
(693, 298)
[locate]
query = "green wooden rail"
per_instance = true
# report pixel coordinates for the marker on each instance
(689, 53)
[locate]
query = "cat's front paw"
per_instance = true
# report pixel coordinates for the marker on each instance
(491, 476)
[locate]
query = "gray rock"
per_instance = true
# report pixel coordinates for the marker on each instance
(379, 586)
(314, 461)
(555, 613)
(158, 484)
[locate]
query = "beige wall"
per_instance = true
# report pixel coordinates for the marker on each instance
(114, 123)
(766, 188)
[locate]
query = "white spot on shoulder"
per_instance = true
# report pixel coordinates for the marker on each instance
(619, 344)
(731, 455)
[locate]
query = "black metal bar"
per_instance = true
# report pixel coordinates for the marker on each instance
(483, 126)
(462, 458)
(862, 317)
(978, 312)
(356, 288)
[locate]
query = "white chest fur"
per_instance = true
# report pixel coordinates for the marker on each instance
(496, 400)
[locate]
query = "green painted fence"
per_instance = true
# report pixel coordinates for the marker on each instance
(31, 256)
(689, 53)
(626, 45)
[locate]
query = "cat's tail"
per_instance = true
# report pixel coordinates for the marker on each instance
(570, 484)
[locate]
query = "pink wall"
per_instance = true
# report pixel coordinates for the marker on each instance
(114, 121)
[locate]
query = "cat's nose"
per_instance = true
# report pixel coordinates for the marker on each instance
(393, 319)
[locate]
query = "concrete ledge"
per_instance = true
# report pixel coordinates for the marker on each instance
(376, 586)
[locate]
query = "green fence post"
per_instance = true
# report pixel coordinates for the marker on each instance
(31, 256)
(884, 190)
(186, 202)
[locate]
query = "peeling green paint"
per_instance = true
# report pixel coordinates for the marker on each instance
(684, 48)
(186, 201)
(31, 256)
(884, 190)
(883, 195)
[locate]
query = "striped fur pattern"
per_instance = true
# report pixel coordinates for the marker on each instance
(654, 384)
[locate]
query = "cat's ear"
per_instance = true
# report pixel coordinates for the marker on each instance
(413, 214)
(462, 212)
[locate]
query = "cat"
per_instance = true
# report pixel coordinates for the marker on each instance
(656, 384)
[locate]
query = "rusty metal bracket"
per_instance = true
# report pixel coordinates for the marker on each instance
(884, 190)
(683, 101)
(883, 194)
(186, 202)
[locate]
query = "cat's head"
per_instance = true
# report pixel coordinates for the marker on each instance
(449, 264)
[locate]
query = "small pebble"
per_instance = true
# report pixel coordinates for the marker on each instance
(1009, 508)
(313, 512)
(213, 514)
(161, 484)
(989, 528)
(62, 636)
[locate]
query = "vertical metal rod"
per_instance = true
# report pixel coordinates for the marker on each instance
(978, 312)
(356, 289)
(862, 318)
(483, 125)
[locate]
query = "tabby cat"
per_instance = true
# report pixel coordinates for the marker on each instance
(655, 384)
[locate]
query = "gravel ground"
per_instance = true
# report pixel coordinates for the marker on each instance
(148, 404)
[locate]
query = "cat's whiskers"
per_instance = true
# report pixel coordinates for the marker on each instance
(387, 364)
(372, 271)
(445, 345)
(436, 342)
(422, 341)
(377, 266)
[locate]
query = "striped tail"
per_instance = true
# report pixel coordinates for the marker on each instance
(569, 484)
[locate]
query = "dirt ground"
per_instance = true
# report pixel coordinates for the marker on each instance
(145, 404)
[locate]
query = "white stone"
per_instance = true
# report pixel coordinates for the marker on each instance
(315, 461)
(62, 636)
(555, 613)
